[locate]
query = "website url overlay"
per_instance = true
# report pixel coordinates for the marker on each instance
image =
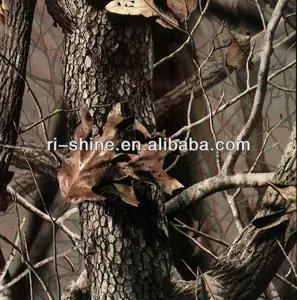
(166, 144)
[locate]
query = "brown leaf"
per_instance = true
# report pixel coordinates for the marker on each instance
(139, 127)
(150, 161)
(182, 8)
(84, 129)
(238, 51)
(85, 168)
(126, 193)
(120, 171)
(110, 129)
(123, 191)
(89, 174)
(146, 8)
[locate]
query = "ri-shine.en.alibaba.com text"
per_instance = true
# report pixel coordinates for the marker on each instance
(153, 145)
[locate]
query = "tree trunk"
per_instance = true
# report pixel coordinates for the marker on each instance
(13, 60)
(109, 59)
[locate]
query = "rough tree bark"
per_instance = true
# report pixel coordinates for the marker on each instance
(13, 60)
(109, 59)
(255, 256)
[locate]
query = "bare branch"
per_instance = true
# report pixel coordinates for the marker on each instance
(194, 241)
(36, 266)
(261, 86)
(184, 226)
(215, 184)
(30, 267)
(22, 201)
(213, 73)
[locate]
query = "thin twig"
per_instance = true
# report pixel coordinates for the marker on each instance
(188, 133)
(195, 242)
(12, 254)
(184, 226)
(30, 275)
(36, 266)
(229, 103)
(282, 88)
(286, 281)
(22, 201)
(49, 214)
(261, 14)
(187, 41)
(46, 290)
(261, 86)
(287, 258)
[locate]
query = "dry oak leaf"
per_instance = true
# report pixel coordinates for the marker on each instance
(88, 174)
(182, 8)
(149, 164)
(146, 8)
(85, 169)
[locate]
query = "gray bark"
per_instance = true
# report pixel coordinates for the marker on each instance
(108, 59)
(13, 60)
(255, 253)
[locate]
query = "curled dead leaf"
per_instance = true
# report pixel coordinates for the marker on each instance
(89, 174)
(146, 8)
(151, 162)
(182, 8)
(84, 129)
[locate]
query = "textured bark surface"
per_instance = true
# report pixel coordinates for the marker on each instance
(14, 53)
(13, 60)
(254, 257)
(108, 59)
